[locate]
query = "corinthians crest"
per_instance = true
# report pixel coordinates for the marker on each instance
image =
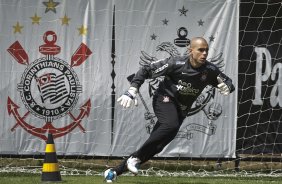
(49, 88)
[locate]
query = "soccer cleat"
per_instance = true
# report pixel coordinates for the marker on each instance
(133, 164)
(110, 175)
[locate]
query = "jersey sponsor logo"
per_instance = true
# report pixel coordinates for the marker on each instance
(186, 88)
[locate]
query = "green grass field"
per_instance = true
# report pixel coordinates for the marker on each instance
(16, 170)
(21, 178)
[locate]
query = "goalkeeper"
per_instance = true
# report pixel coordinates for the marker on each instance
(184, 80)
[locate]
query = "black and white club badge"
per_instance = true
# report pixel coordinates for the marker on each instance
(49, 88)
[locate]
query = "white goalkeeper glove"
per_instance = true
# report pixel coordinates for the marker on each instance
(127, 98)
(222, 87)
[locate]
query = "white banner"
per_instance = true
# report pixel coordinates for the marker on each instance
(55, 76)
(157, 29)
(64, 63)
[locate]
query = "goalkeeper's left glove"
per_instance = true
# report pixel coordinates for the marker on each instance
(222, 87)
(127, 98)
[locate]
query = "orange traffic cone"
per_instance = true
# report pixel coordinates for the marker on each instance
(50, 170)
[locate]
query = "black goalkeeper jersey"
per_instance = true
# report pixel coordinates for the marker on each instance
(181, 81)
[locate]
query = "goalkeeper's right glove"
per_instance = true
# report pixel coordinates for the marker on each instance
(127, 98)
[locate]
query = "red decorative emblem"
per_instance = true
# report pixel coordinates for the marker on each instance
(49, 88)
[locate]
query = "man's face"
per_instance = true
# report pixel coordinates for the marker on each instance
(199, 52)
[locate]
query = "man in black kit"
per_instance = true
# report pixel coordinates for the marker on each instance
(184, 80)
